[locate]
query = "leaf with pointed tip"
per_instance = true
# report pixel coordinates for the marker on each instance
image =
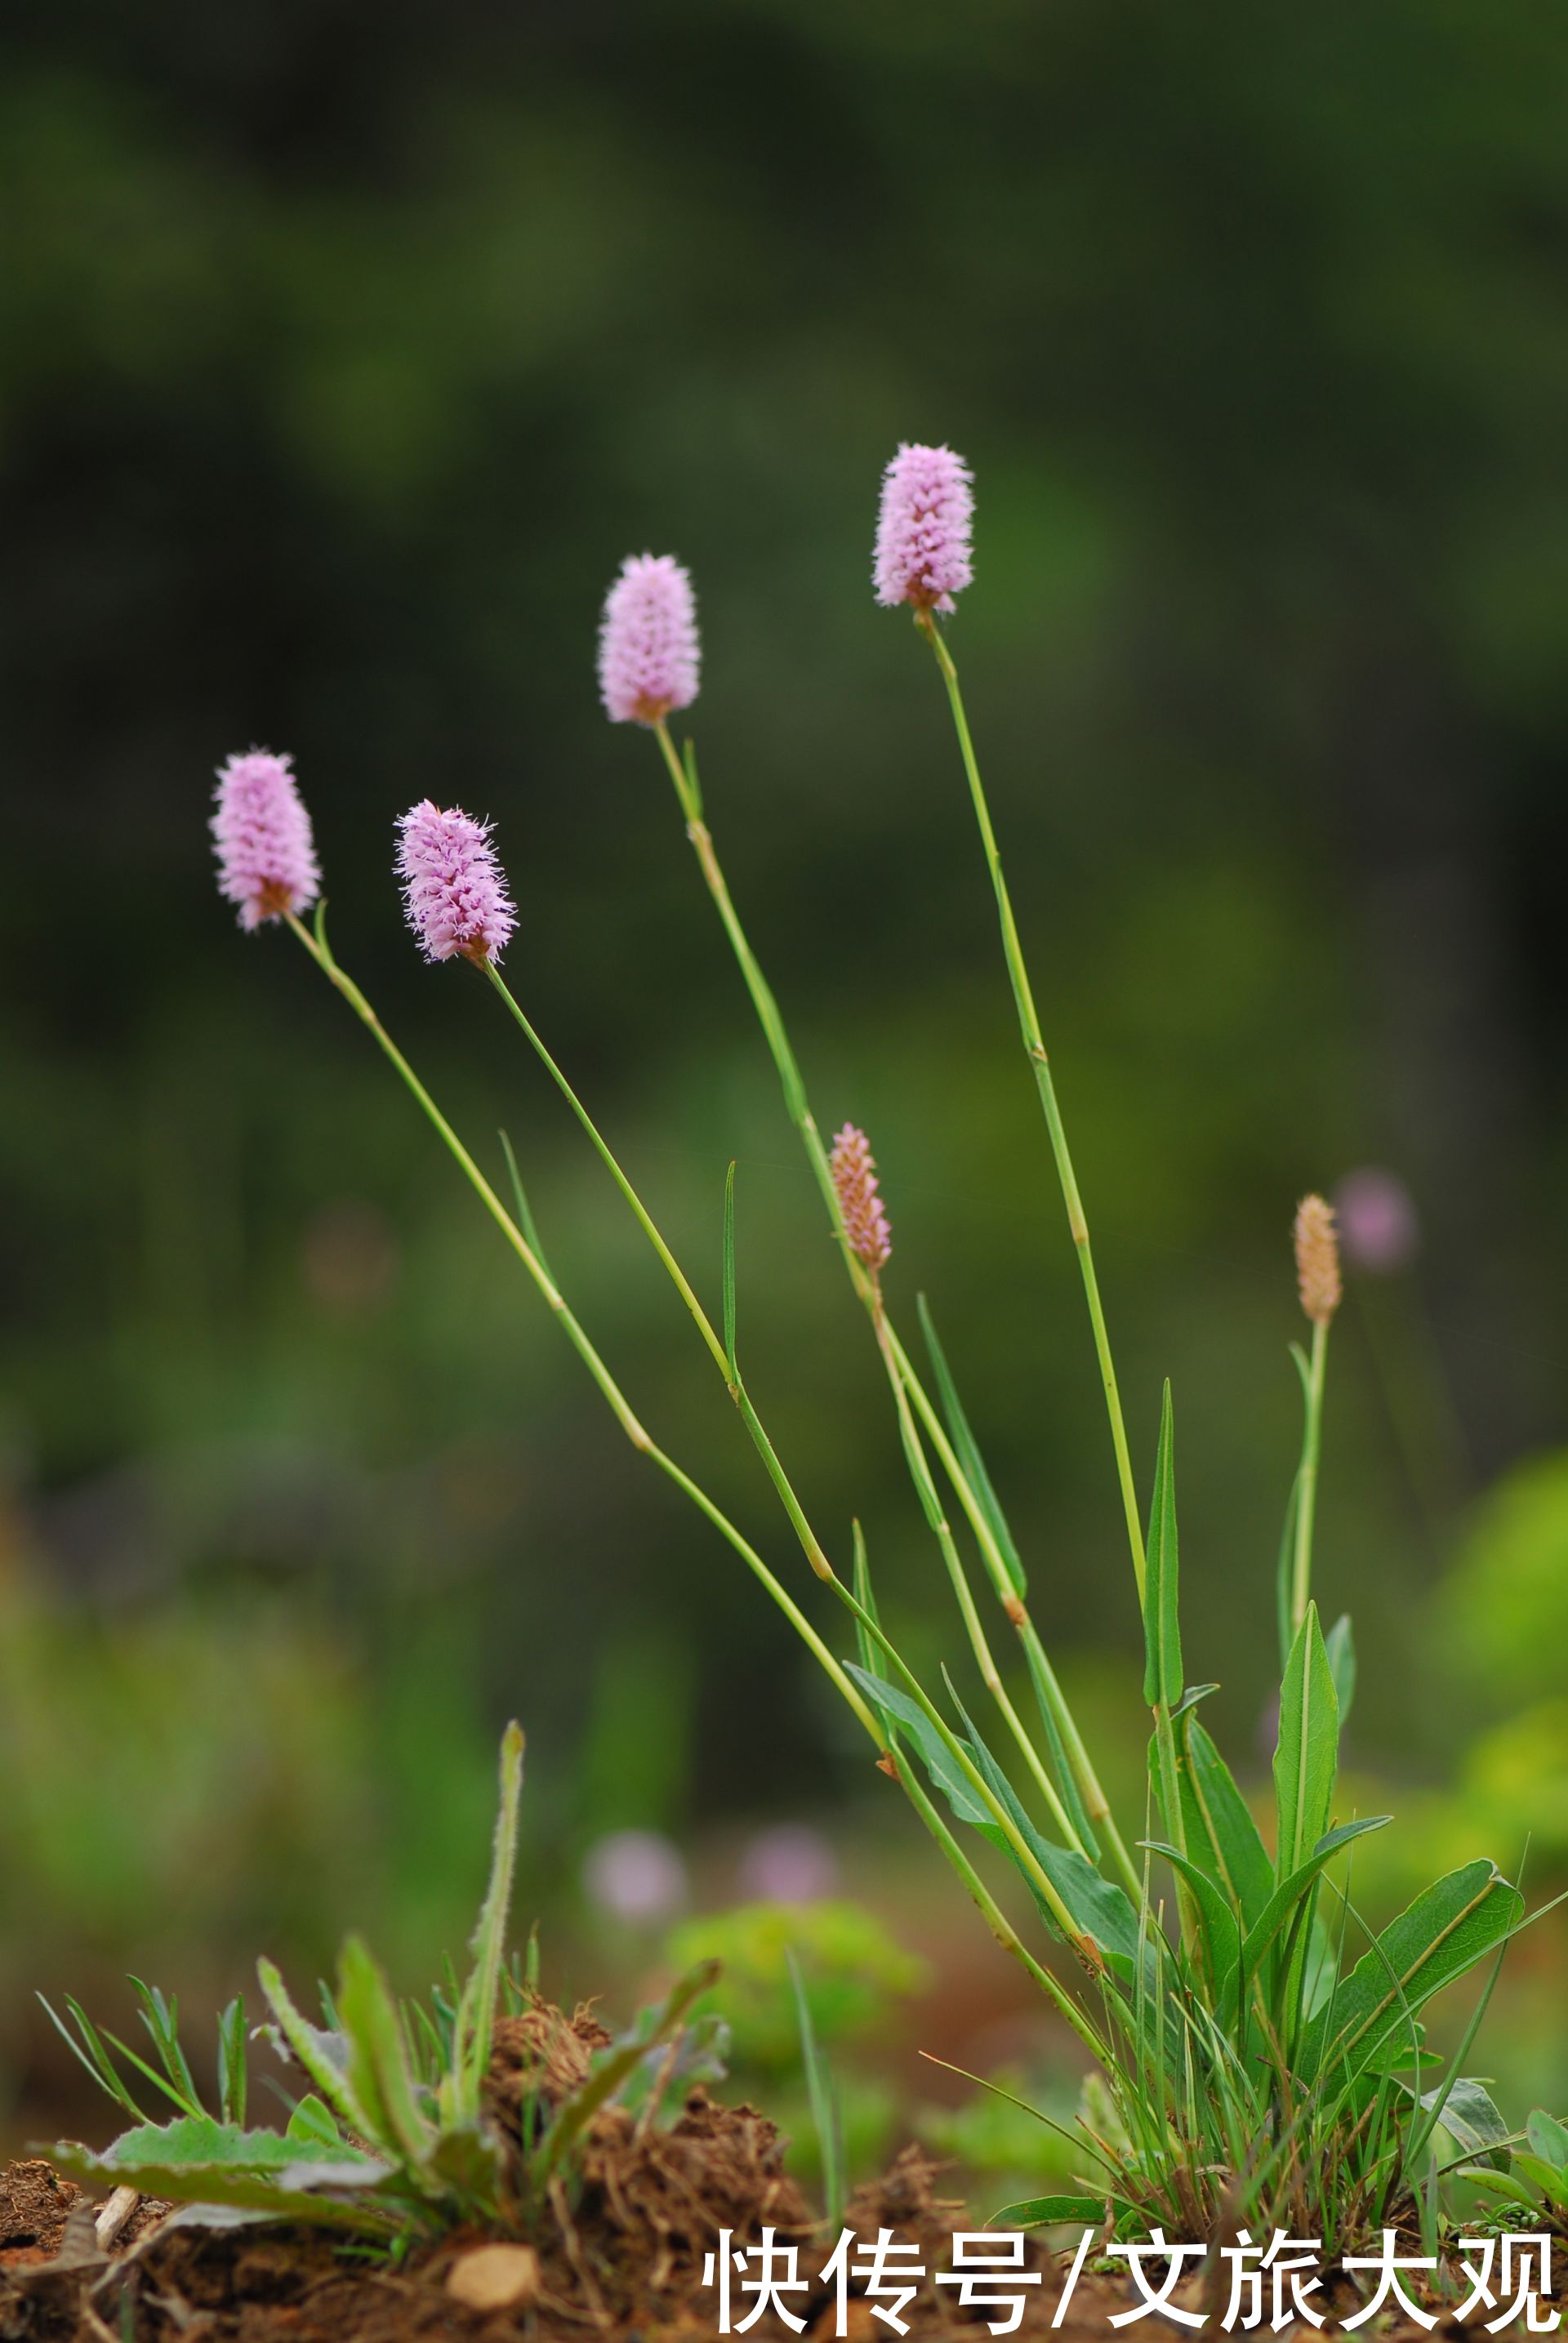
(1444, 1932)
(1039, 2212)
(322, 2052)
(967, 1449)
(473, 2031)
(296, 2191)
(1220, 1831)
(1260, 1935)
(379, 2068)
(1548, 2138)
(1469, 2116)
(1307, 1758)
(1221, 1932)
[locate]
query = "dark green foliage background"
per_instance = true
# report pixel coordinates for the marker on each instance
(343, 353)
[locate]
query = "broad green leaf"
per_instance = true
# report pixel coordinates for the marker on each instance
(1100, 1909)
(1469, 2116)
(323, 2055)
(313, 2123)
(1282, 1902)
(1307, 1758)
(1162, 1625)
(1448, 1928)
(1037, 2212)
(967, 1450)
(1548, 2139)
(1220, 1833)
(937, 1758)
(1340, 1646)
(378, 2069)
(296, 2191)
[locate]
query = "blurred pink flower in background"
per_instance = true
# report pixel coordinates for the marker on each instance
(635, 1875)
(1378, 1227)
(790, 1864)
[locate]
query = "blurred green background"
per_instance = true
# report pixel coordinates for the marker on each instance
(343, 353)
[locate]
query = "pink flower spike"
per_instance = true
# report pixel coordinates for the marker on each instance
(854, 1170)
(454, 891)
(648, 652)
(922, 553)
(265, 855)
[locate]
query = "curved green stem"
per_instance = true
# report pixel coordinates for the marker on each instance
(1307, 1479)
(640, 1439)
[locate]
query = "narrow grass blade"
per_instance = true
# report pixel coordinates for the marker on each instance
(476, 2021)
(519, 1198)
(1162, 1623)
(232, 2069)
(378, 2069)
(92, 2054)
(823, 2099)
(967, 1450)
(1447, 1929)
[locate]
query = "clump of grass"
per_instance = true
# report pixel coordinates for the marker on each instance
(1258, 2049)
(397, 2138)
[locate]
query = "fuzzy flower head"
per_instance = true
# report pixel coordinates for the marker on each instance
(1317, 1259)
(854, 1173)
(923, 554)
(265, 855)
(454, 891)
(649, 652)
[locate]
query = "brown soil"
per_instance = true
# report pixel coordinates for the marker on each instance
(624, 2261)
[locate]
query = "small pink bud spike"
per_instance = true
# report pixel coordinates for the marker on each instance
(648, 652)
(265, 855)
(1317, 1259)
(923, 554)
(854, 1172)
(455, 894)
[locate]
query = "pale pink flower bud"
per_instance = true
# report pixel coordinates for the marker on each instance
(649, 652)
(454, 891)
(265, 855)
(922, 553)
(854, 1170)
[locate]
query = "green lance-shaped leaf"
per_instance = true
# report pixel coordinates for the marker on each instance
(1162, 1625)
(1548, 2139)
(379, 2068)
(1221, 1933)
(203, 2141)
(1447, 1929)
(1039, 2212)
(323, 2055)
(1307, 1758)
(865, 1596)
(1283, 1903)
(967, 1450)
(298, 2191)
(1467, 2112)
(1047, 1697)
(1098, 1909)
(476, 2022)
(1221, 1835)
(232, 2071)
(823, 2099)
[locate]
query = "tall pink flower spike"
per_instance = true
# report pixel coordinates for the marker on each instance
(854, 1170)
(923, 554)
(648, 652)
(455, 894)
(266, 854)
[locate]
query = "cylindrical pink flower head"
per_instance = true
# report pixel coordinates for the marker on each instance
(649, 652)
(265, 855)
(922, 553)
(854, 1170)
(454, 891)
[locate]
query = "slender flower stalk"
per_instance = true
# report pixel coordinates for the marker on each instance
(683, 774)
(855, 1176)
(1319, 1285)
(1034, 1044)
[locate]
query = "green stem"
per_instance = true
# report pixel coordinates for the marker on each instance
(798, 1105)
(1307, 1480)
(1029, 1024)
(316, 947)
(931, 1505)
